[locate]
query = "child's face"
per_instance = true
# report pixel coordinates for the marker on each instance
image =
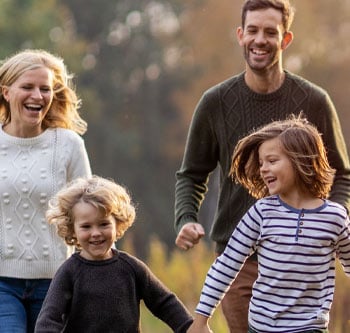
(95, 233)
(276, 169)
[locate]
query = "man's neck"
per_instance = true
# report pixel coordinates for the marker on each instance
(264, 83)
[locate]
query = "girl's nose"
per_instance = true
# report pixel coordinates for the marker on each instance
(263, 167)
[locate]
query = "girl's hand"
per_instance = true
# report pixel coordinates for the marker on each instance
(200, 325)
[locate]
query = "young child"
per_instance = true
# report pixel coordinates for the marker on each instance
(99, 289)
(296, 231)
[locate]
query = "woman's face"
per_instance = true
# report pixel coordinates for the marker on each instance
(30, 98)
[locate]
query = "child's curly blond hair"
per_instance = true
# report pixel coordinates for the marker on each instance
(104, 194)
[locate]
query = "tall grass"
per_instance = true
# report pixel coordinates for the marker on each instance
(184, 274)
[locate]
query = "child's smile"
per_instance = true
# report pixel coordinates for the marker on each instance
(95, 232)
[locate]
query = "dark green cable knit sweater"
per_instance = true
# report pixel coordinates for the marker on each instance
(226, 113)
(104, 297)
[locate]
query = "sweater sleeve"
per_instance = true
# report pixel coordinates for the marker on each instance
(325, 117)
(343, 246)
(79, 165)
(163, 303)
(55, 308)
(226, 267)
(200, 159)
(338, 157)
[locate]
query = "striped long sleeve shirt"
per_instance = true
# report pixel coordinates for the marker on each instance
(296, 253)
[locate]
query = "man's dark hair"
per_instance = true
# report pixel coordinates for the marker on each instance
(283, 6)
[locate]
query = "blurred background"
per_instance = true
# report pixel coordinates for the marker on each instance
(140, 67)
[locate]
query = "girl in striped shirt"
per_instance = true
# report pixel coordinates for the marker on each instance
(295, 230)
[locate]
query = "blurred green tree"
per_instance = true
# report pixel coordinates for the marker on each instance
(133, 62)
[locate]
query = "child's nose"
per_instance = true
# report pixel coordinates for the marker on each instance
(263, 167)
(95, 231)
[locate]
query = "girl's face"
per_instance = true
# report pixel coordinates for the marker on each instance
(30, 98)
(95, 233)
(276, 169)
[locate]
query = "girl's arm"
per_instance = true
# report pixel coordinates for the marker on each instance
(200, 325)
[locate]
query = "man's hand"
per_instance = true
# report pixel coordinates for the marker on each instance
(189, 235)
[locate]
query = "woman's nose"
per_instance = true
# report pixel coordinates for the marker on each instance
(36, 93)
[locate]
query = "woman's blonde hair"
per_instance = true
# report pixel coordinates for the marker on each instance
(64, 109)
(104, 194)
(303, 145)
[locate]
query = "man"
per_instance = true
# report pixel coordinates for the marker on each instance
(227, 112)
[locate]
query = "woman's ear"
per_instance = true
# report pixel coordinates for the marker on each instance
(5, 93)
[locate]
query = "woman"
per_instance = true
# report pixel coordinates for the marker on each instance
(40, 151)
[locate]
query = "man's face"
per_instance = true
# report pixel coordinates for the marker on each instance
(263, 39)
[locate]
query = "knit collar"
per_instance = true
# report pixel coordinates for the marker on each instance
(269, 96)
(41, 138)
(114, 258)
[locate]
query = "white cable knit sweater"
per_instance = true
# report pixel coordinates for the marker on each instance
(31, 171)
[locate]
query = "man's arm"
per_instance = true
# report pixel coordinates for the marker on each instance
(200, 159)
(330, 127)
